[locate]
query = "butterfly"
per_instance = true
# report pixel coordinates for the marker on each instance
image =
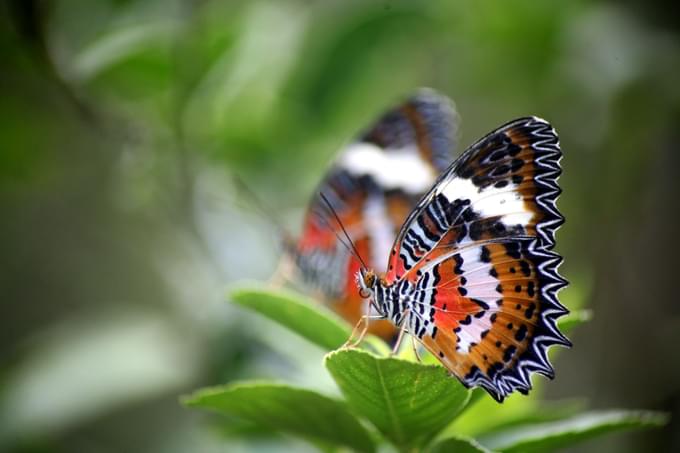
(472, 273)
(372, 186)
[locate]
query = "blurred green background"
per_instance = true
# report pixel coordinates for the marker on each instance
(122, 124)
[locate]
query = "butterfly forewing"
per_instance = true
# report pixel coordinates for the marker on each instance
(374, 184)
(477, 254)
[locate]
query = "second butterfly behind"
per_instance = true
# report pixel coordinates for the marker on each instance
(372, 186)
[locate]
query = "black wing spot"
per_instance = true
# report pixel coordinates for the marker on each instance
(500, 170)
(481, 303)
(476, 229)
(469, 215)
(514, 149)
(463, 231)
(495, 368)
(509, 352)
(530, 289)
(497, 155)
(485, 255)
(473, 371)
(516, 164)
(529, 313)
(458, 268)
(467, 172)
(513, 250)
(524, 266)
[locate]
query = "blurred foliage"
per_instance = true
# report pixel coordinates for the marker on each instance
(122, 123)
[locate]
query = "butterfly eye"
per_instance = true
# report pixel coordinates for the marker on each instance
(369, 279)
(364, 293)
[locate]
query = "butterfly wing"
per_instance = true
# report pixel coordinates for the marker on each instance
(373, 186)
(478, 251)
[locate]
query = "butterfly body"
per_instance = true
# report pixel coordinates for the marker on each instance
(472, 274)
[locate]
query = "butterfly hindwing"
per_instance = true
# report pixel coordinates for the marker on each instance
(373, 186)
(493, 310)
(476, 253)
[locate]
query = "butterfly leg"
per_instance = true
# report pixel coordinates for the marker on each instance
(400, 337)
(415, 348)
(351, 343)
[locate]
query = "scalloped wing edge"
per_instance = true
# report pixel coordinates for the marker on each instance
(535, 358)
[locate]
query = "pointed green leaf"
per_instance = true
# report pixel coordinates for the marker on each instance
(308, 414)
(458, 445)
(309, 320)
(408, 402)
(567, 432)
(575, 318)
(487, 416)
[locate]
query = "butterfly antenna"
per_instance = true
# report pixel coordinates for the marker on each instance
(353, 248)
(340, 239)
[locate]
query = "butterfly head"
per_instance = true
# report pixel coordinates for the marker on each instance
(367, 281)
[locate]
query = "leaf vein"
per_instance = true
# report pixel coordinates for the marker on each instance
(390, 408)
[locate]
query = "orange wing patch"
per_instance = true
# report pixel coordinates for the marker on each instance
(493, 303)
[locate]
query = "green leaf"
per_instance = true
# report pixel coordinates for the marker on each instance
(458, 445)
(408, 402)
(310, 321)
(308, 414)
(546, 411)
(483, 413)
(575, 318)
(567, 432)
